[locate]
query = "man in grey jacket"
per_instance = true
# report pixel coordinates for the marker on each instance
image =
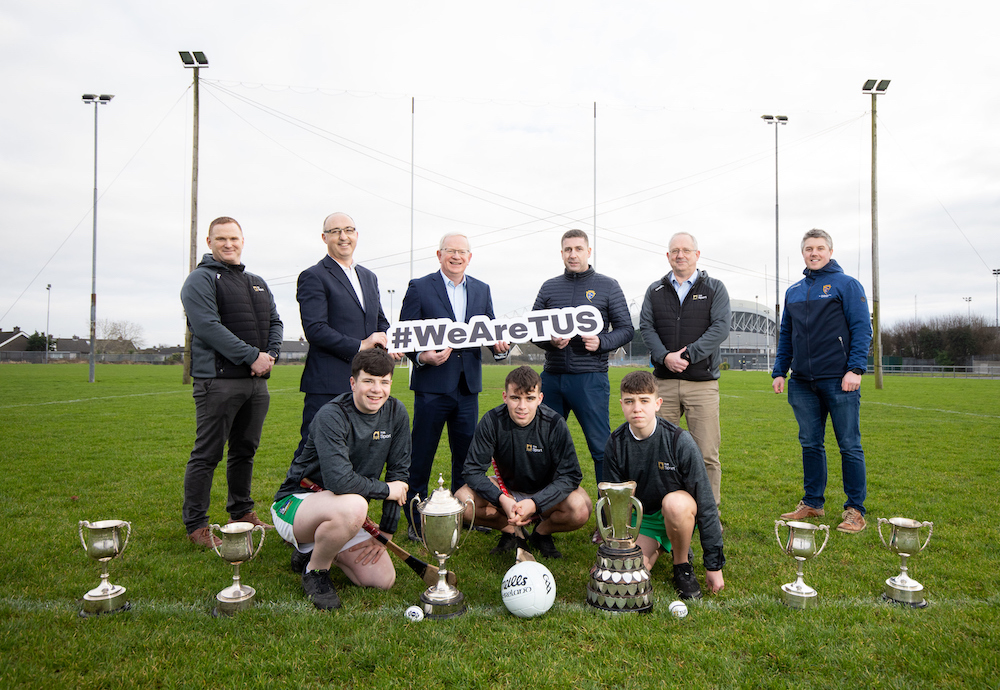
(684, 320)
(236, 339)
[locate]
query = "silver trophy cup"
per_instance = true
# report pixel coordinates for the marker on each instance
(904, 539)
(441, 528)
(800, 545)
(236, 548)
(619, 580)
(103, 541)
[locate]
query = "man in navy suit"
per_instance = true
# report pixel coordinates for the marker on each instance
(341, 315)
(446, 383)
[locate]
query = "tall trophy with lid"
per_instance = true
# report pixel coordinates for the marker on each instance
(441, 528)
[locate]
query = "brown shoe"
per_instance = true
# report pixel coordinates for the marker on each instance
(252, 518)
(853, 523)
(804, 511)
(203, 537)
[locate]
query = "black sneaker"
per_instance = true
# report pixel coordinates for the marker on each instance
(508, 542)
(319, 589)
(300, 560)
(685, 582)
(545, 545)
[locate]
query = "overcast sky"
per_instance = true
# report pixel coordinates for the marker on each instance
(306, 109)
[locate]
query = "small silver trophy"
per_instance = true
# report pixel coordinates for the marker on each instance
(103, 542)
(801, 545)
(619, 580)
(236, 548)
(441, 527)
(904, 540)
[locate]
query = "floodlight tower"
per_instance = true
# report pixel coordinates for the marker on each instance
(875, 87)
(996, 274)
(194, 62)
(776, 120)
(103, 99)
(968, 301)
(48, 311)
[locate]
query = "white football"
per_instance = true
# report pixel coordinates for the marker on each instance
(414, 614)
(528, 589)
(678, 608)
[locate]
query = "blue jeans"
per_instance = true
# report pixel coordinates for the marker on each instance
(811, 402)
(587, 396)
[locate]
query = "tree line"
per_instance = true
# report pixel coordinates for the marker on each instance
(947, 340)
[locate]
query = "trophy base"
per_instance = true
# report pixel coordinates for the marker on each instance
(101, 600)
(798, 598)
(912, 596)
(441, 609)
(619, 581)
(233, 599)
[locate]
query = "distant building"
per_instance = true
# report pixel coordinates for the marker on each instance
(13, 341)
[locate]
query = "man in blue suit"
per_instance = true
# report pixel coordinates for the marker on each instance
(341, 315)
(446, 383)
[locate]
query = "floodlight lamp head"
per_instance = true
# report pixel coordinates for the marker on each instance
(105, 98)
(882, 86)
(89, 97)
(782, 119)
(195, 60)
(869, 85)
(769, 118)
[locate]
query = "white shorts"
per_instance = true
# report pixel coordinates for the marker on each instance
(283, 516)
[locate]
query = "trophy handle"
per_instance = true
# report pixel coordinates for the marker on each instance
(637, 504)
(471, 524)
(601, 526)
(777, 536)
(84, 523)
(211, 533)
(260, 545)
(414, 513)
(879, 524)
(827, 529)
(128, 533)
(930, 531)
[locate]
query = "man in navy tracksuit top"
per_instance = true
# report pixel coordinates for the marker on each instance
(825, 335)
(575, 376)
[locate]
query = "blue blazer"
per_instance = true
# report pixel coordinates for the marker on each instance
(335, 324)
(427, 298)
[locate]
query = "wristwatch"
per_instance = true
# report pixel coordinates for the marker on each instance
(857, 371)
(273, 353)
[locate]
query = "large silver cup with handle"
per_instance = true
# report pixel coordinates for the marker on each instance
(904, 539)
(619, 502)
(236, 547)
(441, 528)
(619, 580)
(102, 540)
(800, 545)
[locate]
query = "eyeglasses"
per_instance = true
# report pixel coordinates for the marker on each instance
(340, 231)
(455, 252)
(685, 252)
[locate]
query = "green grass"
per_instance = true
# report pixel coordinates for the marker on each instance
(117, 449)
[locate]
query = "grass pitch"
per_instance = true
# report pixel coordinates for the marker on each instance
(117, 449)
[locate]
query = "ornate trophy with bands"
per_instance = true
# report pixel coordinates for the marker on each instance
(441, 527)
(619, 580)
(236, 548)
(103, 542)
(801, 545)
(904, 539)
